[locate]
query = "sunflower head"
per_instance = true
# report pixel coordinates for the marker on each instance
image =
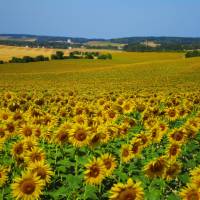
(109, 163)
(42, 170)
(191, 192)
(29, 186)
(126, 153)
(95, 172)
(156, 168)
(79, 135)
(173, 169)
(130, 190)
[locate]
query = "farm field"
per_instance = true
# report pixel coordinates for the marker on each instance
(120, 129)
(7, 52)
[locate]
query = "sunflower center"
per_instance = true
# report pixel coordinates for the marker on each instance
(19, 149)
(62, 136)
(94, 171)
(172, 170)
(127, 194)
(125, 153)
(27, 131)
(157, 167)
(80, 135)
(107, 163)
(162, 127)
(28, 186)
(173, 150)
(178, 136)
(36, 157)
(135, 148)
(172, 113)
(193, 196)
(40, 172)
(95, 139)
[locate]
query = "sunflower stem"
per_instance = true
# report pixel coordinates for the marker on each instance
(100, 188)
(56, 155)
(76, 164)
(2, 193)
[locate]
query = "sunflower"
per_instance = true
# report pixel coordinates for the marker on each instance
(62, 136)
(156, 135)
(95, 172)
(18, 149)
(3, 176)
(173, 150)
(36, 155)
(156, 168)
(128, 106)
(143, 138)
(10, 127)
(79, 135)
(191, 192)
(171, 114)
(5, 115)
(191, 131)
(95, 139)
(130, 190)
(126, 153)
(123, 130)
(27, 187)
(136, 148)
(26, 131)
(29, 143)
(178, 135)
(150, 122)
(109, 163)
(42, 170)
(173, 169)
(47, 135)
(163, 127)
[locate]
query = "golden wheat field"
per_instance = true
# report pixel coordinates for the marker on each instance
(120, 129)
(7, 52)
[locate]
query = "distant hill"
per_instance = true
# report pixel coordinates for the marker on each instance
(128, 43)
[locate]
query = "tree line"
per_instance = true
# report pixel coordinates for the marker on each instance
(59, 55)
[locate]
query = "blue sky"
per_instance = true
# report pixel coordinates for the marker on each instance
(101, 18)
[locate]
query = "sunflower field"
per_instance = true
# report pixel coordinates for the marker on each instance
(120, 129)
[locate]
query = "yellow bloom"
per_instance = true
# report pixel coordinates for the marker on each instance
(42, 170)
(79, 135)
(27, 187)
(126, 154)
(3, 175)
(109, 163)
(191, 192)
(95, 172)
(173, 169)
(130, 190)
(156, 168)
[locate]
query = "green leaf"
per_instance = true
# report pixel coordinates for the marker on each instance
(184, 178)
(154, 194)
(123, 176)
(173, 197)
(74, 182)
(90, 192)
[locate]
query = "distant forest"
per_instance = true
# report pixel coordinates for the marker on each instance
(130, 43)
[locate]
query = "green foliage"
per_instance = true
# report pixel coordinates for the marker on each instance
(194, 53)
